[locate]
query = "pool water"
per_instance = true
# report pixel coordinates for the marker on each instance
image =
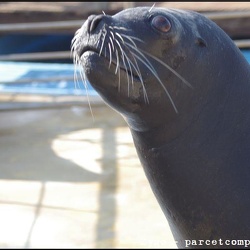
(34, 73)
(64, 85)
(246, 53)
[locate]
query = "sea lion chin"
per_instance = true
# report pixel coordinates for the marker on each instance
(184, 89)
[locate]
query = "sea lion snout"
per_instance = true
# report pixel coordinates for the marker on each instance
(93, 22)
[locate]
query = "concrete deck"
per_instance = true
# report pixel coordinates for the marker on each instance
(67, 181)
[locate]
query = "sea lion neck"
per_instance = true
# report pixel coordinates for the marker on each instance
(184, 89)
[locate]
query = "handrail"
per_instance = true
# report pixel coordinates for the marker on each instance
(41, 80)
(40, 26)
(72, 24)
(244, 43)
(227, 15)
(36, 56)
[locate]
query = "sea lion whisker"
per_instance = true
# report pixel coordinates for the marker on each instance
(159, 80)
(110, 55)
(125, 66)
(151, 68)
(160, 61)
(116, 28)
(127, 71)
(119, 79)
(84, 79)
(111, 32)
(131, 72)
(117, 61)
(98, 41)
(134, 44)
(78, 31)
(105, 33)
(73, 42)
(141, 54)
(137, 69)
(122, 54)
(74, 45)
(118, 69)
(145, 62)
(130, 38)
(112, 44)
(75, 72)
(120, 37)
(76, 36)
(151, 8)
(123, 59)
(72, 51)
(76, 68)
(168, 67)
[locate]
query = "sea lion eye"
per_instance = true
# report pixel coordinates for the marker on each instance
(161, 23)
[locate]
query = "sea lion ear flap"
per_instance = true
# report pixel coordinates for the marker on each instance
(200, 42)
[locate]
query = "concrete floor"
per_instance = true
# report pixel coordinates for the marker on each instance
(67, 181)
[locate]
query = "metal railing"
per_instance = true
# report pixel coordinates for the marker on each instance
(244, 43)
(36, 56)
(227, 15)
(73, 26)
(40, 26)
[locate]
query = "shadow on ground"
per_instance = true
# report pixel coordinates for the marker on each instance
(67, 180)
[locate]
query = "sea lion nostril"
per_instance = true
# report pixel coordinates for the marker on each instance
(93, 22)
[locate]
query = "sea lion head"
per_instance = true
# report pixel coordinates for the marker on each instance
(150, 63)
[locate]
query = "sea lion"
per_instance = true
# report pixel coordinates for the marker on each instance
(184, 89)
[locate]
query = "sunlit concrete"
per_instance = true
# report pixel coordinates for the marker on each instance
(68, 181)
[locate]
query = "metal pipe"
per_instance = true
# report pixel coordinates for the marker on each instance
(41, 80)
(40, 26)
(244, 43)
(73, 24)
(36, 56)
(227, 15)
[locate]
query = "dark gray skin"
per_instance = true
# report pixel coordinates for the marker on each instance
(197, 157)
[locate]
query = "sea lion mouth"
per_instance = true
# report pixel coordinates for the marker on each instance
(127, 69)
(131, 74)
(87, 49)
